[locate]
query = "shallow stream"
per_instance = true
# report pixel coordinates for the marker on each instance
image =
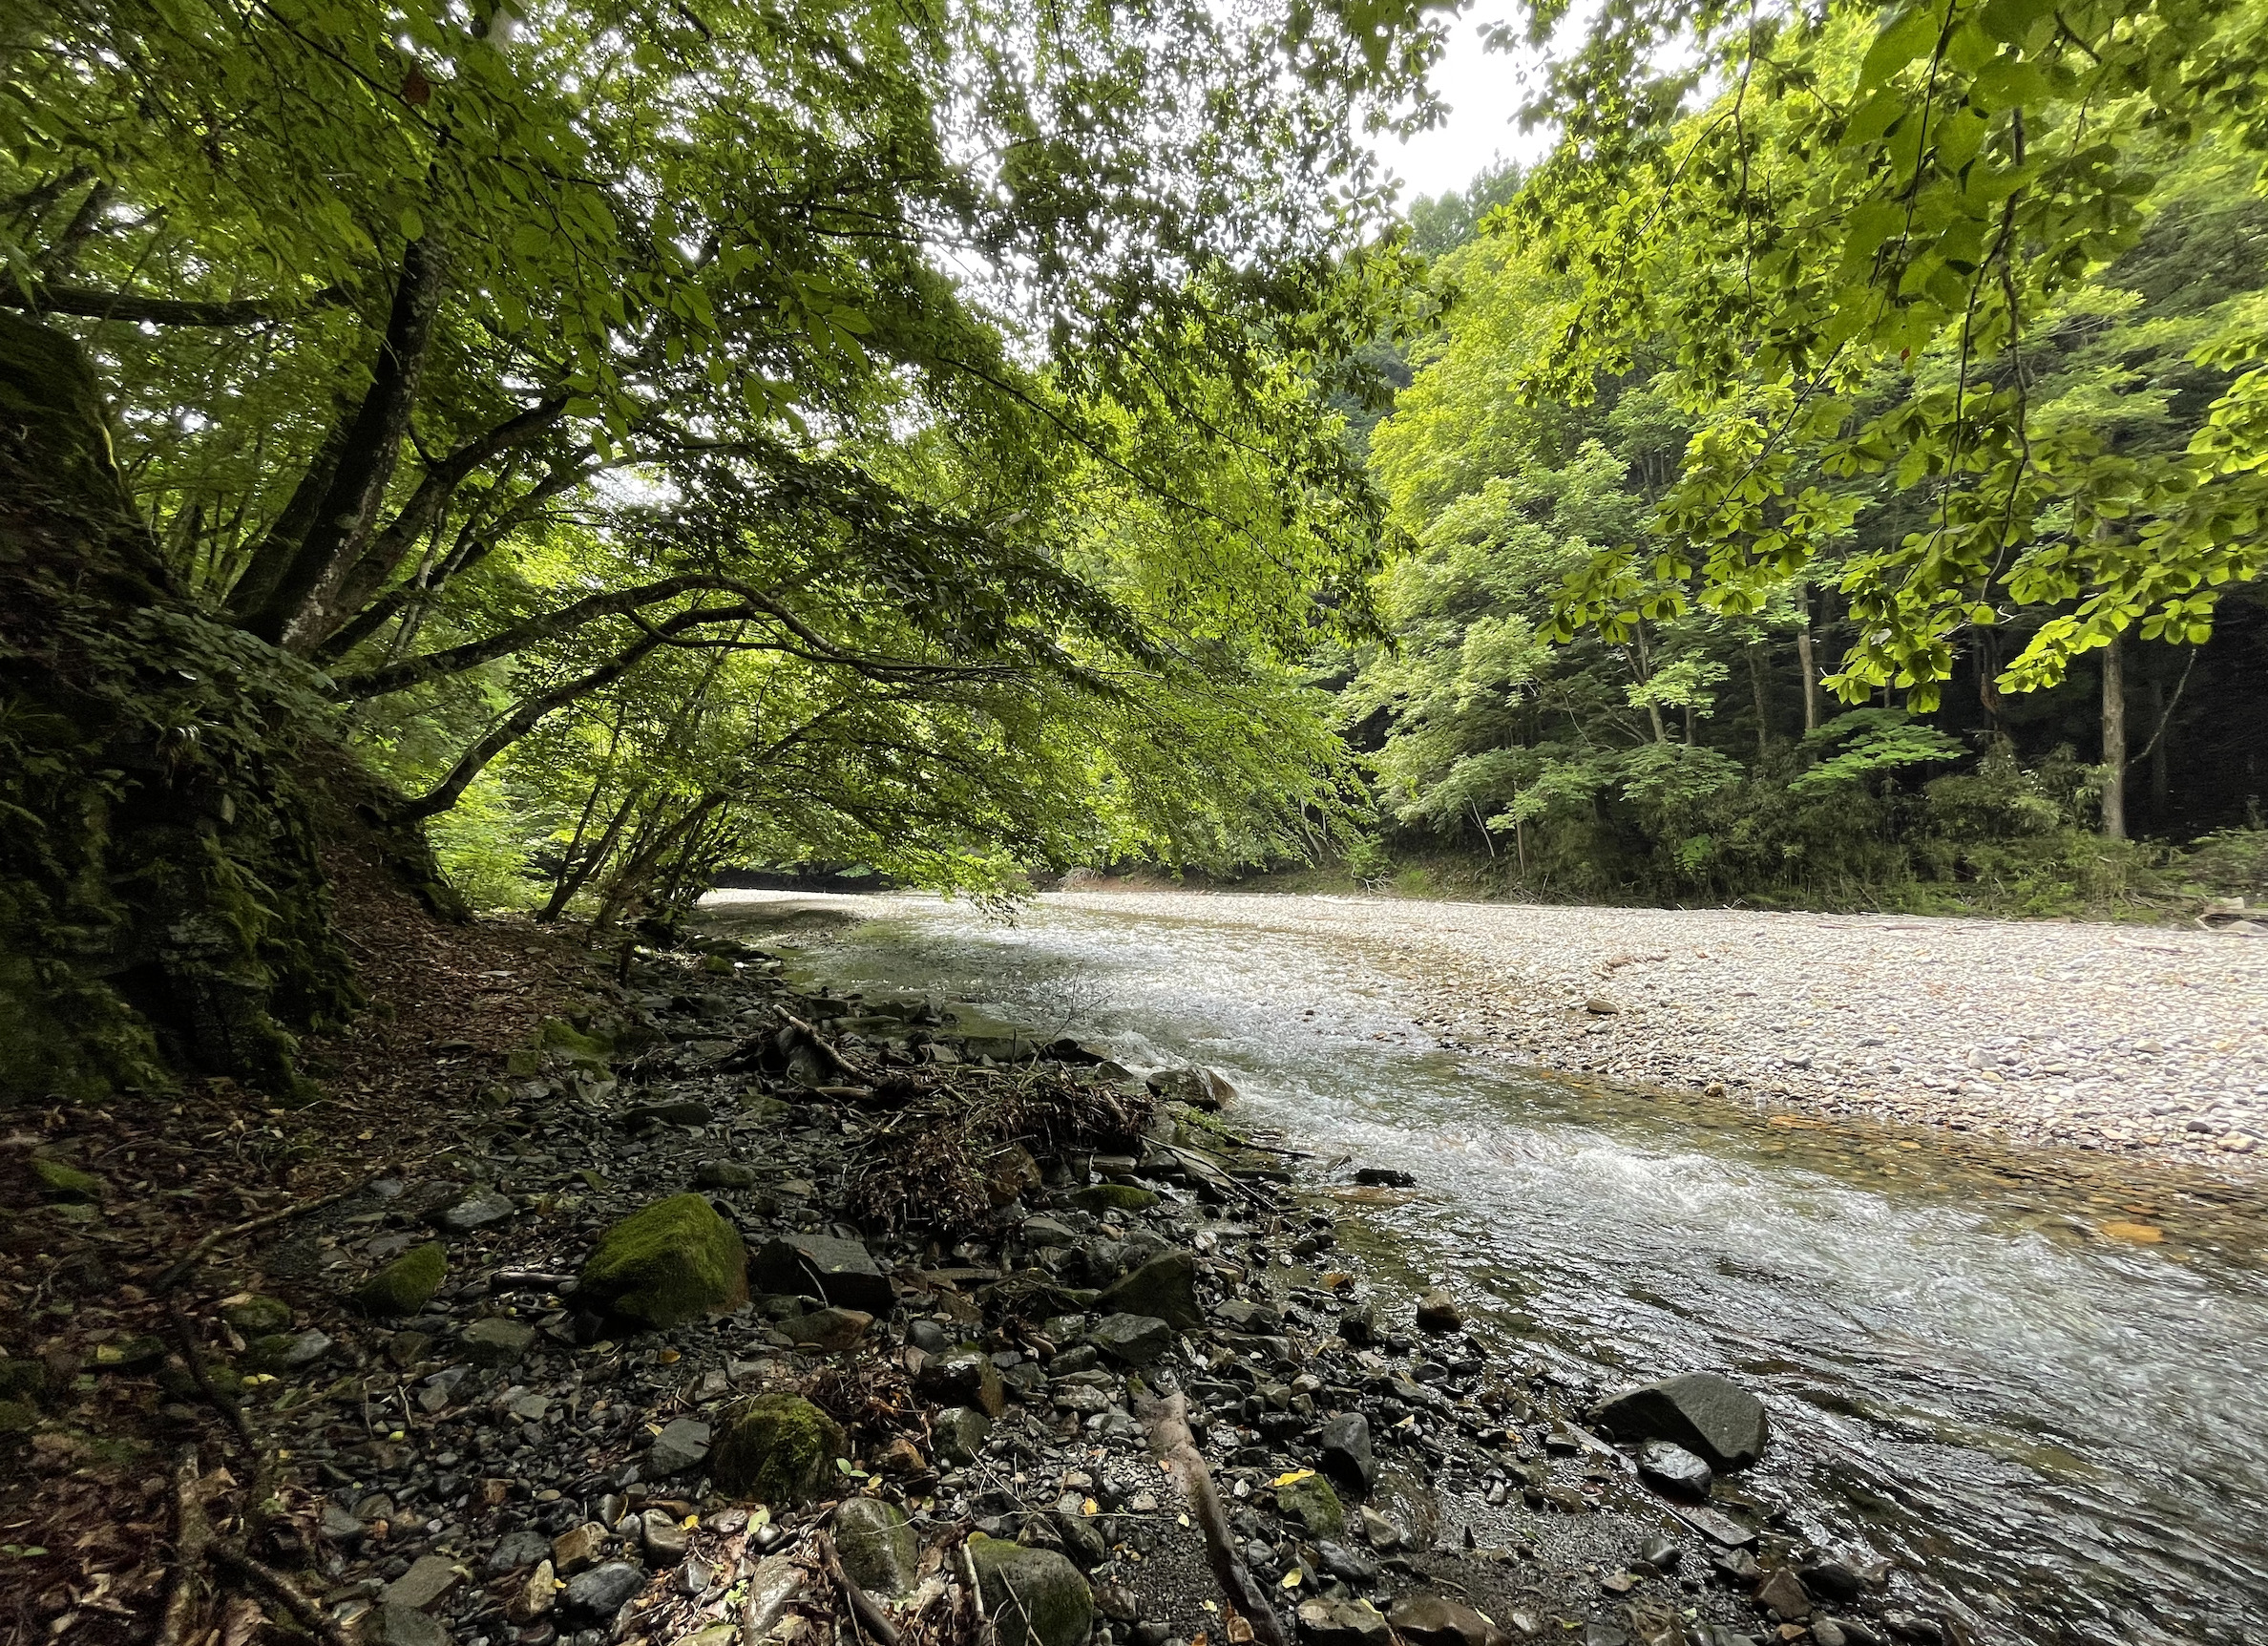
(2061, 1434)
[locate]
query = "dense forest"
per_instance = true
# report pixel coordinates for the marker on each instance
(577, 453)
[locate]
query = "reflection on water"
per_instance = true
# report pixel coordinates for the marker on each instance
(2066, 1429)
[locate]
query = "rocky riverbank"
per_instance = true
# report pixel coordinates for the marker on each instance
(2132, 1040)
(745, 1315)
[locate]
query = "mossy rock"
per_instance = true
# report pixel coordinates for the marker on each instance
(258, 1317)
(778, 1448)
(1036, 1598)
(1314, 1505)
(406, 1284)
(22, 1379)
(1113, 1197)
(593, 1050)
(675, 1261)
(65, 1182)
(16, 1418)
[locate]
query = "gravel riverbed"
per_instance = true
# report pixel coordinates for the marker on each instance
(2140, 1040)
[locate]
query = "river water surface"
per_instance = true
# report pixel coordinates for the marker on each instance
(2055, 1433)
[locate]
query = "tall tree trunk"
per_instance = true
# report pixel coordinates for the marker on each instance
(296, 612)
(2115, 742)
(1803, 660)
(1763, 703)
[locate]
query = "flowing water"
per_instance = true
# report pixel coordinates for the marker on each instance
(2058, 1435)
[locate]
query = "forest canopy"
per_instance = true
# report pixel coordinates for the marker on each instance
(1868, 354)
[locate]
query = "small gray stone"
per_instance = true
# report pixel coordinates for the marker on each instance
(1704, 1413)
(497, 1341)
(598, 1594)
(1669, 1467)
(402, 1626)
(425, 1585)
(476, 1211)
(516, 1549)
(1132, 1339)
(1437, 1312)
(683, 1444)
(724, 1174)
(666, 1539)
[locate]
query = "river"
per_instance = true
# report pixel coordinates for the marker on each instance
(2058, 1436)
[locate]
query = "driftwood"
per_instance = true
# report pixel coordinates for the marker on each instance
(283, 1591)
(1168, 1419)
(193, 1533)
(863, 1606)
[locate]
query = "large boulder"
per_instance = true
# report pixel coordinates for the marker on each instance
(835, 1270)
(1700, 1411)
(777, 1449)
(1165, 1287)
(878, 1544)
(675, 1261)
(1036, 1596)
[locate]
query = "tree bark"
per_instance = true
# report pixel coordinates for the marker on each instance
(1804, 662)
(2160, 780)
(1763, 702)
(2114, 742)
(296, 613)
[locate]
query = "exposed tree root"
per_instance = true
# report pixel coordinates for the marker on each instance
(1168, 1419)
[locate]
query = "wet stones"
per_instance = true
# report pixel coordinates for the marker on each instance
(1358, 1326)
(1700, 1411)
(1438, 1312)
(778, 1448)
(840, 1272)
(1783, 1594)
(877, 1546)
(405, 1285)
(1036, 1596)
(683, 1444)
(428, 1581)
(672, 1262)
(1345, 1453)
(1165, 1287)
(1671, 1469)
(724, 1174)
(1132, 1339)
(1385, 1177)
(1198, 1086)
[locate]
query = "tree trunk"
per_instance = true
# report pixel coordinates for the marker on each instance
(2115, 742)
(296, 612)
(1803, 660)
(1763, 703)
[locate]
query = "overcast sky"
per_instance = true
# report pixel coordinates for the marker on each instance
(1483, 91)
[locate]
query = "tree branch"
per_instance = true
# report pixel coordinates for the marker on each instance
(95, 304)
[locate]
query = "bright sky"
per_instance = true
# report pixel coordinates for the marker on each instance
(1483, 91)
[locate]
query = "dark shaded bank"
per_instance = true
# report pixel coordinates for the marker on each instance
(168, 786)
